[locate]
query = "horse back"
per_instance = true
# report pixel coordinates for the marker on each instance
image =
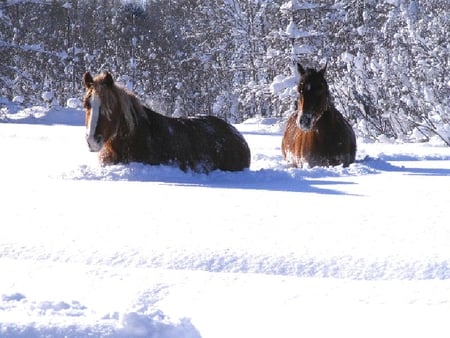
(202, 143)
(214, 144)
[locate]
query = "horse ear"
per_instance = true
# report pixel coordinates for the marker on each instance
(323, 69)
(300, 69)
(88, 81)
(108, 81)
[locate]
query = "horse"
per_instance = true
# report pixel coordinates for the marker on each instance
(123, 130)
(317, 134)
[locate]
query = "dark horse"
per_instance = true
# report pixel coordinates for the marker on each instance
(317, 133)
(123, 130)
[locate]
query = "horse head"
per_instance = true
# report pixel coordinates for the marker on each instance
(313, 97)
(100, 102)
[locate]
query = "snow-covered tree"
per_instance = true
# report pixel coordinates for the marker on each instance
(387, 60)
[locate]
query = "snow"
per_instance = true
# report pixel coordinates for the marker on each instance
(302, 49)
(293, 32)
(47, 96)
(18, 99)
(274, 251)
(294, 5)
(284, 86)
(74, 102)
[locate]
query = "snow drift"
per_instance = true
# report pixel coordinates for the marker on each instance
(151, 251)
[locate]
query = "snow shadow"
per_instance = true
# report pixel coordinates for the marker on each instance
(40, 115)
(384, 164)
(289, 180)
(133, 325)
(145, 321)
(338, 267)
(319, 180)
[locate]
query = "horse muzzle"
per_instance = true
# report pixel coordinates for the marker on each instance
(95, 143)
(306, 120)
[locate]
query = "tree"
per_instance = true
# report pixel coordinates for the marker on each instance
(387, 60)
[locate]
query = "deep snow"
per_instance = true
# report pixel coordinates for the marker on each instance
(142, 251)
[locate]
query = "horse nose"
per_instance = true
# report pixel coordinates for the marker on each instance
(94, 143)
(305, 121)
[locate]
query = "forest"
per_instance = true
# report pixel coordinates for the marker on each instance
(387, 61)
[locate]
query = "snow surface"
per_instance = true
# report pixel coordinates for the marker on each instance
(151, 251)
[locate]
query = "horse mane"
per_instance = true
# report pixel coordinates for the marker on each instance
(114, 95)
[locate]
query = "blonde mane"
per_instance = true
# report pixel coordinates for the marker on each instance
(118, 99)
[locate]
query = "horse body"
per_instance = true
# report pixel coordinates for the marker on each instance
(126, 131)
(317, 133)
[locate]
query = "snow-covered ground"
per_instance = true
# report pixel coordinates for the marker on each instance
(142, 251)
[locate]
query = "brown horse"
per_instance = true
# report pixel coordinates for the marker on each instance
(317, 133)
(123, 130)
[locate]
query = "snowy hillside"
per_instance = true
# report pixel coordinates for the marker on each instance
(143, 251)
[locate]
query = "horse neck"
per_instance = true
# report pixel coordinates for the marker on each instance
(133, 114)
(329, 103)
(330, 111)
(150, 112)
(156, 119)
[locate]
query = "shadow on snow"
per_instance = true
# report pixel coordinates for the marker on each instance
(40, 115)
(134, 324)
(311, 180)
(386, 165)
(289, 180)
